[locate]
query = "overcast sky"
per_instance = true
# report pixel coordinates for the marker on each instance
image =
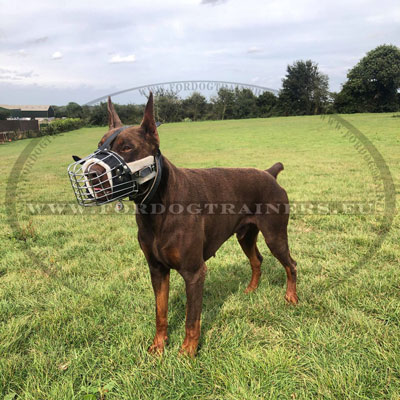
(53, 52)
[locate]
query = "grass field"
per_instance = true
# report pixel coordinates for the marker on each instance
(77, 307)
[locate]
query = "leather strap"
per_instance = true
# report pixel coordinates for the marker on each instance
(109, 141)
(148, 196)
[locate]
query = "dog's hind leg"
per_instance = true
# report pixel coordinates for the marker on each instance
(248, 243)
(275, 236)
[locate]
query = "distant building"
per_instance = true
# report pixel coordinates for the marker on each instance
(36, 112)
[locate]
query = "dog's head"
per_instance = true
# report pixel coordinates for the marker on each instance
(133, 143)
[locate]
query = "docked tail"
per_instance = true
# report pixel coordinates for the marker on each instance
(275, 169)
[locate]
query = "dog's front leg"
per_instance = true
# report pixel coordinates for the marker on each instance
(194, 281)
(160, 282)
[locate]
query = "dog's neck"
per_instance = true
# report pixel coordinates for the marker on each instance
(160, 194)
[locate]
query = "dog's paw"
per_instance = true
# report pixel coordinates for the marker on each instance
(291, 298)
(250, 289)
(157, 348)
(187, 350)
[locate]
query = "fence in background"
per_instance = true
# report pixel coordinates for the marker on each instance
(18, 129)
(18, 125)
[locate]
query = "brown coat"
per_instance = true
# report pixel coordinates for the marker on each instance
(202, 208)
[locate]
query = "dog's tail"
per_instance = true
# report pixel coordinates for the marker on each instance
(275, 169)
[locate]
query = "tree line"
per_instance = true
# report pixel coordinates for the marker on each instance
(372, 86)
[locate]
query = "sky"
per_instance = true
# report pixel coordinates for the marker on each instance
(54, 52)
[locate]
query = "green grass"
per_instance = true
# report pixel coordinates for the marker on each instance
(77, 308)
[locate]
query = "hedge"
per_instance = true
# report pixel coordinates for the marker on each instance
(60, 125)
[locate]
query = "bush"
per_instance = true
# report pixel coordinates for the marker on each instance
(61, 125)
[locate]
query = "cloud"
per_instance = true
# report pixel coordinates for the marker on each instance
(57, 55)
(19, 53)
(213, 2)
(38, 40)
(118, 59)
(7, 75)
(254, 49)
(231, 40)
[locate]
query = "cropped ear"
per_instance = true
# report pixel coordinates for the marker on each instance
(148, 123)
(113, 119)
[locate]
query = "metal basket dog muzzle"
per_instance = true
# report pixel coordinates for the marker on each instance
(104, 176)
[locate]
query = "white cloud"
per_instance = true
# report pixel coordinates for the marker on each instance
(118, 59)
(57, 55)
(38, 40)
(212, 2)
(7, 75)
(253, 49)
(182, 40)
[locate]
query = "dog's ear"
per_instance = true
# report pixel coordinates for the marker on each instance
(113, 119)
(149, 124)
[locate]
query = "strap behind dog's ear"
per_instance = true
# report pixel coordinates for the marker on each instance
(108, 143)
(158, 124)
(76, 158)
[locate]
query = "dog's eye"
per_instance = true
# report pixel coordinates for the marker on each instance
(126, 148)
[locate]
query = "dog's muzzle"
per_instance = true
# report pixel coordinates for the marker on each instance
(104, 176)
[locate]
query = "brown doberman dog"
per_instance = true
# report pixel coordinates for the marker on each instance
(184, 241)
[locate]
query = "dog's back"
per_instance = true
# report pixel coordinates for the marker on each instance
(219, 202)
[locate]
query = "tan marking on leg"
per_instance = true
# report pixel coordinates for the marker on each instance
(161, 336)
(255, 274)
(291, 295)
(189, 346)
(255, 263)
(194, 294)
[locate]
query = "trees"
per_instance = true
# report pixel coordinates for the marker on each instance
(168, 106)
(73, 110)
(266, 103)
(98, 115)
(245, 104)
(234, 104)
(373, 83)
(304, 89)
(130, 114)
(195, 106)
(223, 103)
